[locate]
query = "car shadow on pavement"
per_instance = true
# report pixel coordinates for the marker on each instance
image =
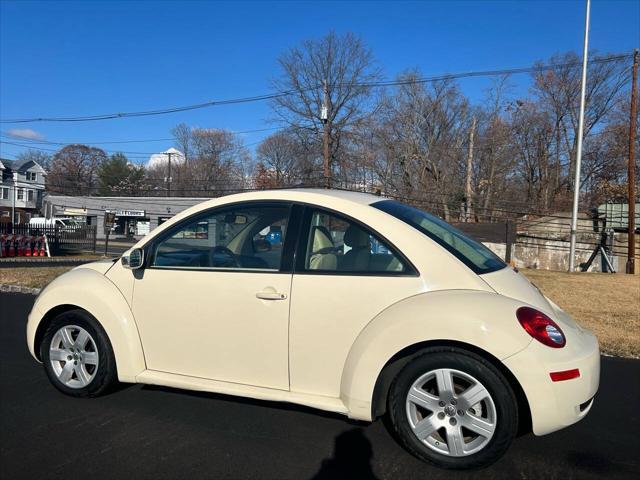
(351, 458)
(292, 407)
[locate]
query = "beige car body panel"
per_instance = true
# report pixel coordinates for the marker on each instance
(87, 288)
(326, 344)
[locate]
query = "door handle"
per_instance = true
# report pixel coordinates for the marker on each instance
(271, 296)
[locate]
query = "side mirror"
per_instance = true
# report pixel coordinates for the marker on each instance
(134, 260)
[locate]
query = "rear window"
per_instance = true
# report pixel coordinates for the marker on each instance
(473, 254)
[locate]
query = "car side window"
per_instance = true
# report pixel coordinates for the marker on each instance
(334, 244)
(241, 238)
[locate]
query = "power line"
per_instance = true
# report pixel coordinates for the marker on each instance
(110, 142)
(270, 96)
(493, 73)
(131, 155)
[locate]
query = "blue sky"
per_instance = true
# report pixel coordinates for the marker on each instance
(92, 57)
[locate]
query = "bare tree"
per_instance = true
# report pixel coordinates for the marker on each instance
(422, 139)
(183, 139)
(559, 92)
(74, 170)
(279, 153)
(346, 66)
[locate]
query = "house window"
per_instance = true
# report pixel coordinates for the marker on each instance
(4, 193)
(32, 176)
(30, 195)
(21, 194)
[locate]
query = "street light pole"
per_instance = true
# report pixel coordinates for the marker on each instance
(576, 184)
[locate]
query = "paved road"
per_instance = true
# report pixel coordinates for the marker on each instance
(148, 432)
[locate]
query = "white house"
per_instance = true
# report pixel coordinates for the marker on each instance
(22, 184)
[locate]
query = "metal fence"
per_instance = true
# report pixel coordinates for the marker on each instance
(61, 239)
(500, 232)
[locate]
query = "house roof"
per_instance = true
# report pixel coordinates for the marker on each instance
(20, 165)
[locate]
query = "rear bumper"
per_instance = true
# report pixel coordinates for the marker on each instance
(555, 405)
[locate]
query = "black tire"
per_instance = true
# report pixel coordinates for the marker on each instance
(471, 364)
(106, 375)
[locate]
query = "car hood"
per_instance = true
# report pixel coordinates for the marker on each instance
(101, 266)
(513, 284)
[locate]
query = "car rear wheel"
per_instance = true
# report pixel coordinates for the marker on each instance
(453, 409)
(77, 355)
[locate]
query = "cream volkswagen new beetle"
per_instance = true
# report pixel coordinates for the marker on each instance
(337, 300)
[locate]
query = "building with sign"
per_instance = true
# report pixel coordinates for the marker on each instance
(134, 216)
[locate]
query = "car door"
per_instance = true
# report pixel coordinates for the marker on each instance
(213, 298)
(345, 275)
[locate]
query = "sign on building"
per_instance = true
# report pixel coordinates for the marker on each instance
(127, 213)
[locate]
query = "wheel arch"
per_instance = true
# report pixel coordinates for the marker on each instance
(401, 358)
(481, 322)
(92, 292)
(46, 321)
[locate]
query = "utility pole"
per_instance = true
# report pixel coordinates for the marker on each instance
(168, 154)
(468, 193)
(13, 203)
(576, 185)
(324, 116)
(631, 175)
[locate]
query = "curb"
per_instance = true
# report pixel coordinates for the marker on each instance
(32, 260)
(18, 289)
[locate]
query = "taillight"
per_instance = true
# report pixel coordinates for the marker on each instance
(541, 327)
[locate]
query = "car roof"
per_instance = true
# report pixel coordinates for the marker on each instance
(329, 198)
(312, 195)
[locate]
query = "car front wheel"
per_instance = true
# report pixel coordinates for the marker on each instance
(453, 409)
(77, 355)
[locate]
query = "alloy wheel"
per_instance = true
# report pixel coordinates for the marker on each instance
(74, 356)
(451, 412)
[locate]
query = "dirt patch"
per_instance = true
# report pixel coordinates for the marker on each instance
(33, 277)
(606, 304)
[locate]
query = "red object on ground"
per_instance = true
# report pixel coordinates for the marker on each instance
(43, 253)
(20, 246)
(3, 245)
(564, 375)
(27, 251)
(12, 250)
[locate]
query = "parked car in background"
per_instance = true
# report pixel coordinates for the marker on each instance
(60, 222)
(366, 307)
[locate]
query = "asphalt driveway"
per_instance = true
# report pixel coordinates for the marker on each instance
(150, 432)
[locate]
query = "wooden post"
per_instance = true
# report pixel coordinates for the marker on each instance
(631, 175)
(508, 240)
(468, 214)
(325, 139)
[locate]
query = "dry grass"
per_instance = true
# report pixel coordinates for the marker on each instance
(606, 304)
(33, 277)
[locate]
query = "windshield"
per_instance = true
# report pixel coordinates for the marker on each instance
(473, 254)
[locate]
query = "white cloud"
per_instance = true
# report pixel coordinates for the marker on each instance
(162, 158)
(25, 133)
